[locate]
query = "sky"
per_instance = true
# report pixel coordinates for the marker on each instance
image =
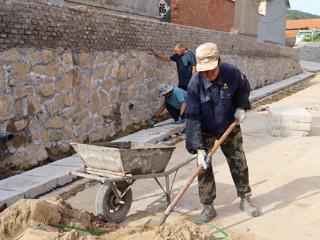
(310, 6)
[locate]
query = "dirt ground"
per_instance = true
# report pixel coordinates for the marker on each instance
(284, 175)
(48, 220)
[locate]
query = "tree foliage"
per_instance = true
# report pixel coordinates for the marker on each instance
(295, 15)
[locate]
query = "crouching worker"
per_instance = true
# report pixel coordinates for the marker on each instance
(174, 102)
(217, 95)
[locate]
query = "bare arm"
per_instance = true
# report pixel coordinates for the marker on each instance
(183, 108)
(194, 70)
(161, 109)
(161, 57)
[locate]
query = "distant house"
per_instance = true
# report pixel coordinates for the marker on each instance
(272, 22)
(293, 26)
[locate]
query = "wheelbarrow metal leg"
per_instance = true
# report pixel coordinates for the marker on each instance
(165, 191)
(116, 192)
(174, 178)
(127, 189)
(168, 191)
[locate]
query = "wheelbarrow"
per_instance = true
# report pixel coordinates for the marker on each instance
(117, 165)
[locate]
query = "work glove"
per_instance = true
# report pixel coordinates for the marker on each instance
(153, 120)
(202, 158)
(180, 120)
(240, 114)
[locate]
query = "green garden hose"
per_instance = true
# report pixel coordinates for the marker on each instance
(217, 229)
(95, 233)
(62, 226)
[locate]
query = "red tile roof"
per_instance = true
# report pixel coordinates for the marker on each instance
(303, 23)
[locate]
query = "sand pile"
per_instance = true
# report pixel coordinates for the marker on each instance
(31, 219)
(29, 213)
(180, 231)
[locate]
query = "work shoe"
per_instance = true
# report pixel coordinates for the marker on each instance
(247, 206)
(206, 215)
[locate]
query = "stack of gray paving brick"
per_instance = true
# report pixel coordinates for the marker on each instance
(286, 122)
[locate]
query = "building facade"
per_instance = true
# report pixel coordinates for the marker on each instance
(264, 20)
(246, 18)
(210, 14)
(272, 26)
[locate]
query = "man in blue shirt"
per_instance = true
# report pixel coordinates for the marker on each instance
(174, 102)
(217, 95)
(186, 64)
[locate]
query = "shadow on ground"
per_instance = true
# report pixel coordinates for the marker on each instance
(227, 202)
(284, 196)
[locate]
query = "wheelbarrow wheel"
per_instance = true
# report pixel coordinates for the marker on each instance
(107, 205)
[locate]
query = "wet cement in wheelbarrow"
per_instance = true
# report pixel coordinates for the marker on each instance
(31, 219)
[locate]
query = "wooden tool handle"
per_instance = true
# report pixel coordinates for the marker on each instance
(218, 143)
(200, 167)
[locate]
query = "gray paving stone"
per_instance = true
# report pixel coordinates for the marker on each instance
(31, 186)
(73, 161)
(310, 66)
(293, 133)
(288, 122)
(8, 198)
(156, 134)
(63, 180)
(278, 86)
(291, 126)
(288, 133)
(280, 114)
(52, 172)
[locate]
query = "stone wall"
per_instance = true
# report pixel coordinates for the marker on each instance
(41, 24)
(148, 8)
(310, 51)
(51, 97)
(77, 73)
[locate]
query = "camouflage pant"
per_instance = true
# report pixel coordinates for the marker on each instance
(233, 151)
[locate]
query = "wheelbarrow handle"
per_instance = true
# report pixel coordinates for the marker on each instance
(197, 171)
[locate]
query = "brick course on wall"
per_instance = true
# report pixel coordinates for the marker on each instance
(71, 72)
(78, 27)
(211, 14)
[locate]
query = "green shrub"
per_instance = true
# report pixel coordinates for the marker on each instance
(314, 38)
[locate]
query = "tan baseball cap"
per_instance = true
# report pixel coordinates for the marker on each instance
(207, 56)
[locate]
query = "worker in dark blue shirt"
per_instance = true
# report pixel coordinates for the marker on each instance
(217, 95)
(186, 64)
